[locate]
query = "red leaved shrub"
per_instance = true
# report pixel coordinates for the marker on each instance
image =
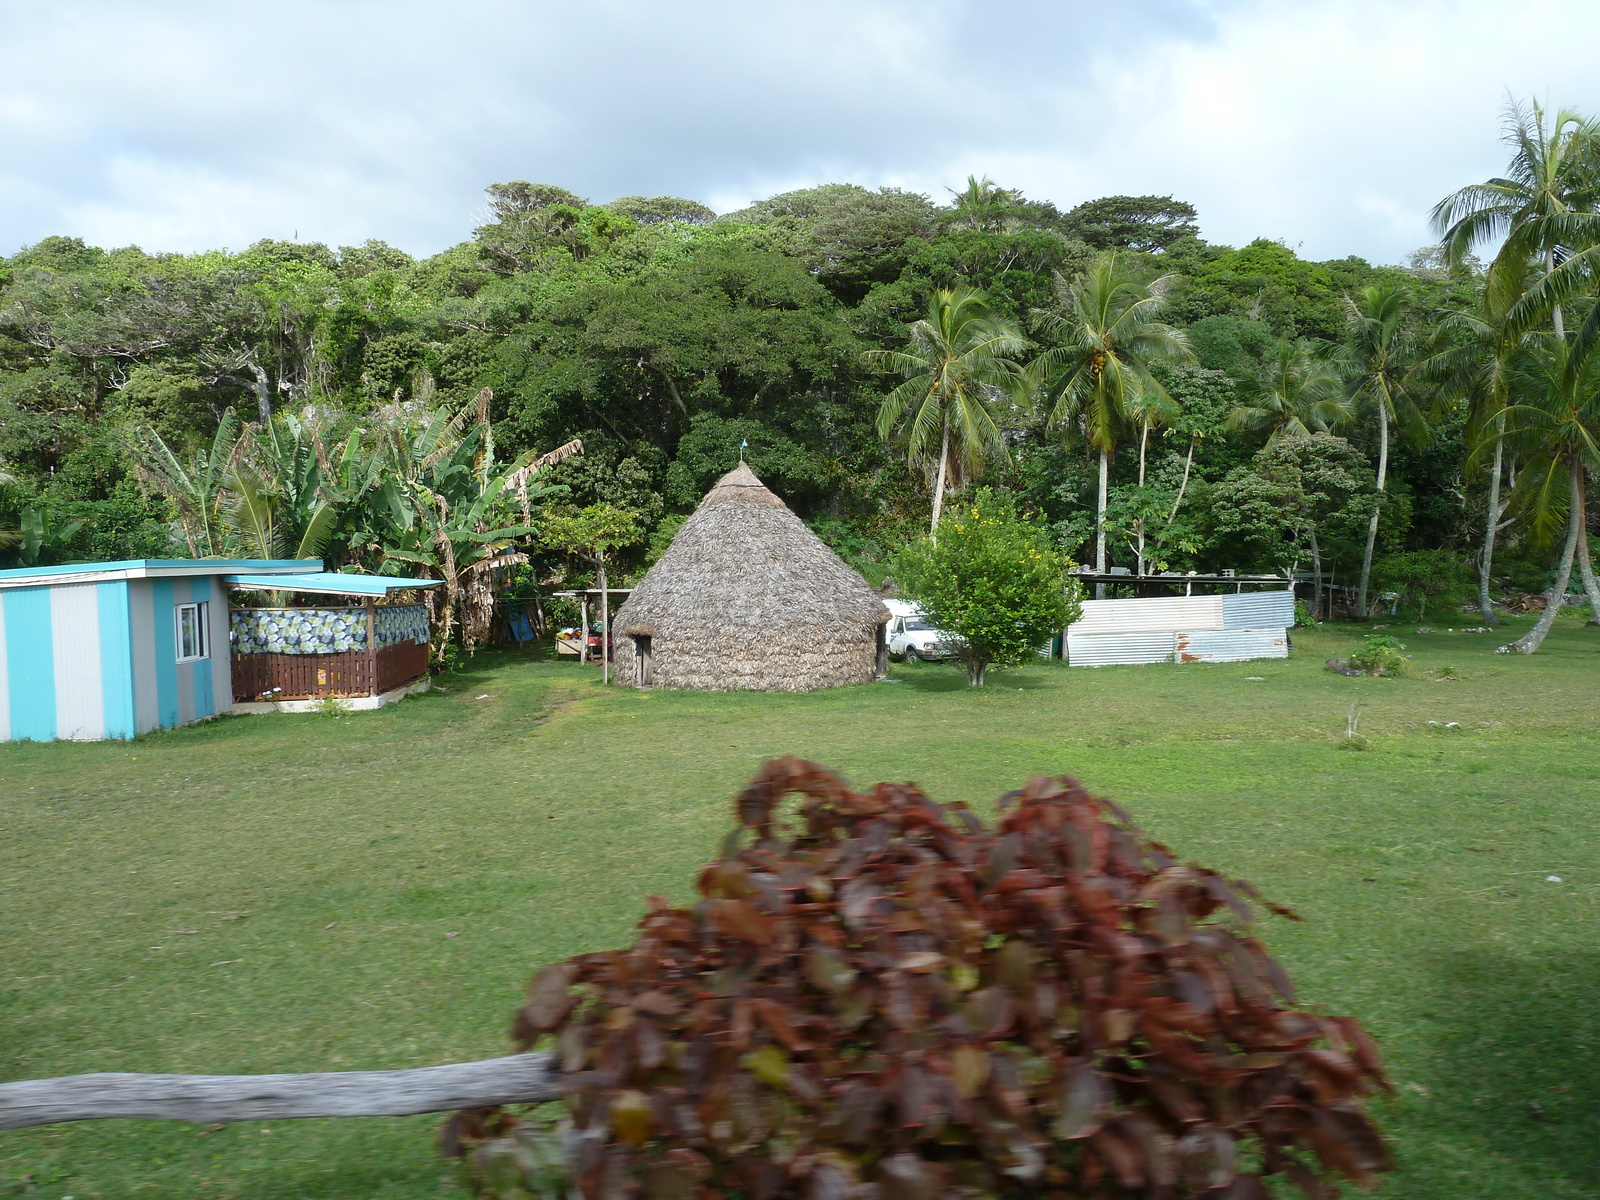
(892, 1002)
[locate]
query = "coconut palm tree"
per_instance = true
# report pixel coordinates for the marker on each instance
(1543, 207)
(1547, 210)
(1555, 421)
(985, 206)
(1382, 352)
(1301, 395)
(1095, 378)
(1471, 364)
(959, 363)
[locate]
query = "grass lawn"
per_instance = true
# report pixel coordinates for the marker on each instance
(301, 893)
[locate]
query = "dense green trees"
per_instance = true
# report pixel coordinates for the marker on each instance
(294, 395)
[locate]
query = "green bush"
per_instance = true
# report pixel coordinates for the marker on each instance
(993, 581)
(1436, 580)
(1380, 654)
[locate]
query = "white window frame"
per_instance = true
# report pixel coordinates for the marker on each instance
(202, 626)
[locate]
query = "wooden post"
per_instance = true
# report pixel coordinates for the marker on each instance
(583, 640)
(372, 645)
(212, 1098)
(605, 624)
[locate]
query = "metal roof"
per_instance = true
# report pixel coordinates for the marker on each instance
(329, 583)
(154, 568)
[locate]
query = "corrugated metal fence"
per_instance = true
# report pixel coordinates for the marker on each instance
(1182, 629)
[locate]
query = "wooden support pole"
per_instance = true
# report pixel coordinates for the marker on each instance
(583, 642)
(372, 646)
(517, 1079)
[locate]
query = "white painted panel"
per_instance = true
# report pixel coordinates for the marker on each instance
(75, 643)
(1257, 610)
(1108, 649)
(1231, 645)
(1150, 614)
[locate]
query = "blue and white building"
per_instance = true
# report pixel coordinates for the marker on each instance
(113, 650)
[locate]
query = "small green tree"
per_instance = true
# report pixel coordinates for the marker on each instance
(994, 582)
(592, 533)
(1430, 579)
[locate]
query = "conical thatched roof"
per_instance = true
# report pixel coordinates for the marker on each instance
(747, 598)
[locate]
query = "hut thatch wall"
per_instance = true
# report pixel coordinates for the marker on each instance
(748, 599)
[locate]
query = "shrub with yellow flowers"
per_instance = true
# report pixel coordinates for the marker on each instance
(993, 582)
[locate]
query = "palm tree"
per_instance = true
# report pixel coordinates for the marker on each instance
(959, 363)
(1301, 395)
(1545, 209)
(1556, 422)
(1472, 365)
(1541, 207)
(985, 206)
(1382, 352)
(1096, 378)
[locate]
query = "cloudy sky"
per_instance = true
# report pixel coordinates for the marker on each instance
(1332, 125)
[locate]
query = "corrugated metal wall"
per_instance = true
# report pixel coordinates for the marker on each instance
(1150, 614)
(84, 661)
(1231, 645)
(65, 669)
(166, 692)
(1256, 610)
(1182, 629)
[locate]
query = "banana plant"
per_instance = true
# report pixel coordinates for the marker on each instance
(453, 510)
(196, 489)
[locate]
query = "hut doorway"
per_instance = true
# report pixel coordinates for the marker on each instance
(642, 665)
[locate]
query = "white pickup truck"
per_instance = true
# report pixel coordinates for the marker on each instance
(911, 637)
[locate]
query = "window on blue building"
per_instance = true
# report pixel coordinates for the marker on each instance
(192, 635)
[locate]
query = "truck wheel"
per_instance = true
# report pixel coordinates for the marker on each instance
(912, 655)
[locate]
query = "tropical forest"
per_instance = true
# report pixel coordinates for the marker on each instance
(1407, 437)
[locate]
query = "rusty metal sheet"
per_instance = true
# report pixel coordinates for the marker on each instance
(1230, 645)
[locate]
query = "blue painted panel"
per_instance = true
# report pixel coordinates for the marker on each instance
(30, 664)
(164, 635)
(5, 684)
(116, 658)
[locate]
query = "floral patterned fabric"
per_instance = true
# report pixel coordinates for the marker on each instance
(401, 623)
(324, 630)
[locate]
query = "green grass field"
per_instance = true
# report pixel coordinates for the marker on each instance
(302, 893)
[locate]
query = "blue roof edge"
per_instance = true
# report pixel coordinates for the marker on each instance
(192, 566)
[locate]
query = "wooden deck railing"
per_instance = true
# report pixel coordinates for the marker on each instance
(315, 676)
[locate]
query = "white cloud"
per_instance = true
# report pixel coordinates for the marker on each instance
(1332, 124)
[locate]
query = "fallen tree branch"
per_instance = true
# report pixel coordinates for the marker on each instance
(519, 1078)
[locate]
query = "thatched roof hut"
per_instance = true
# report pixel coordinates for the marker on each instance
(748, 599)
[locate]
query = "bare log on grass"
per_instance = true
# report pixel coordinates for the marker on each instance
(517, 1079)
